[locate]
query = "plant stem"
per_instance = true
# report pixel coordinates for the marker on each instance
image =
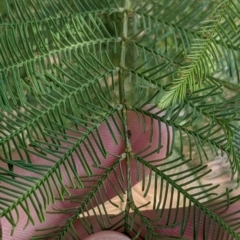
(123, 101)
(123, 53)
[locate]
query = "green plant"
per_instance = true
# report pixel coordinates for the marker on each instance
(80, 82)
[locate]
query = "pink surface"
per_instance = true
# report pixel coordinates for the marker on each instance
(140, 137)
(139, 140)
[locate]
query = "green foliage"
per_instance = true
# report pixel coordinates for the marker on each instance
(69, 66)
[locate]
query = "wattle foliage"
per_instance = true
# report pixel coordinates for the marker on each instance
(97, 95)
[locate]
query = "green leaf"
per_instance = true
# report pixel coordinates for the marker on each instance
(96, 96)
